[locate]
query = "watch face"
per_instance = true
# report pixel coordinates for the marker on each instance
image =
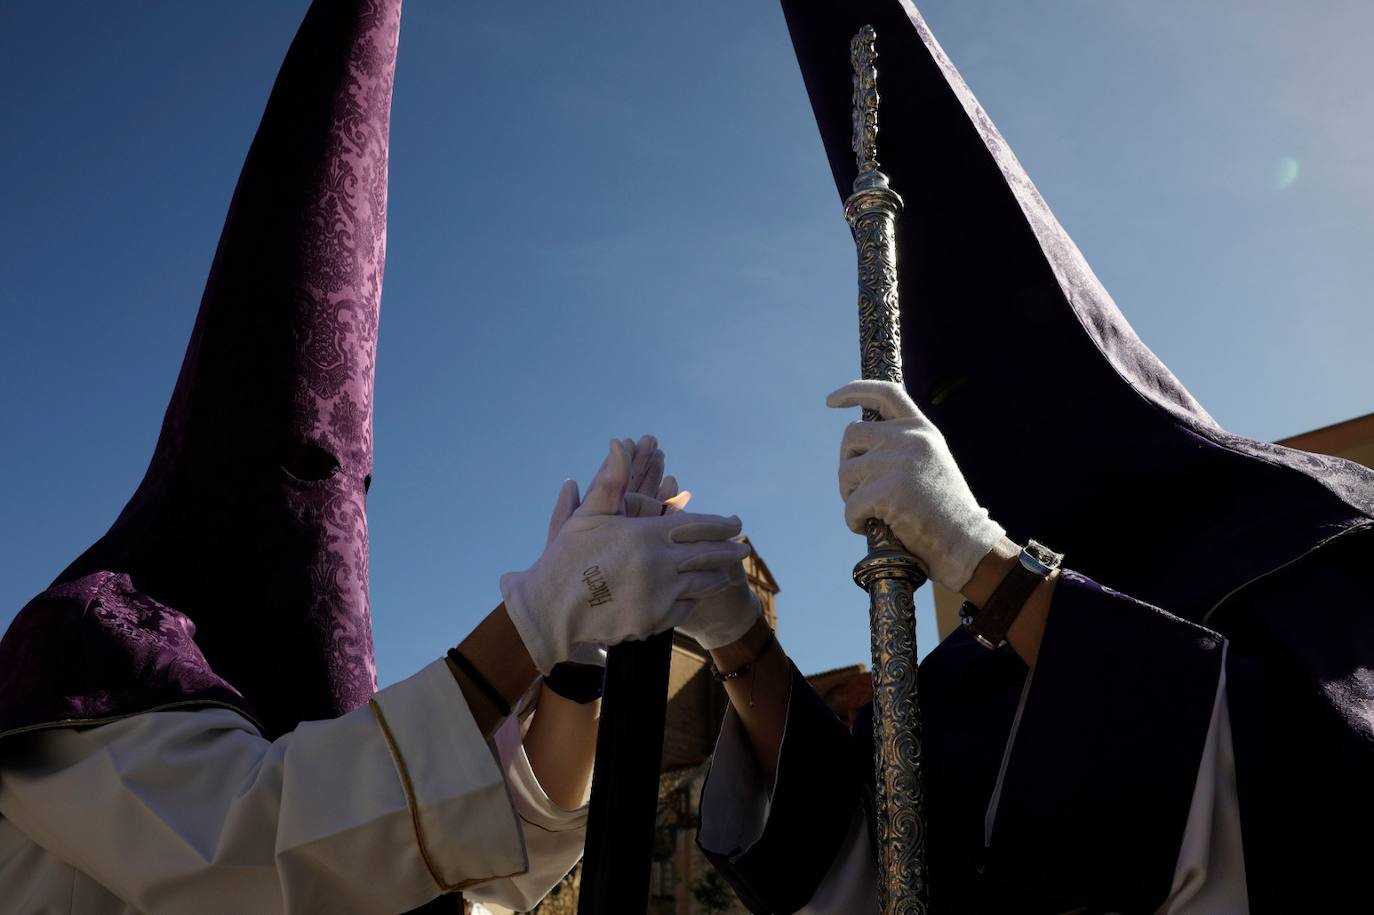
(1044, 555)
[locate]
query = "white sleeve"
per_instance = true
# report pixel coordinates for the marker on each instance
(378, 811)
(850, 887)
(737, 796)
(554, 835)
(734, 811)
(1210, 876)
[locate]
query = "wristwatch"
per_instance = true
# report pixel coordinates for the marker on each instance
(581, 683)
(989, 625)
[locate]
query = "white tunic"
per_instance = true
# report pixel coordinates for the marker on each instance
(193, 811)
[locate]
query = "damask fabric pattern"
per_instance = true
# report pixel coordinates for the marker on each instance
(238, 572)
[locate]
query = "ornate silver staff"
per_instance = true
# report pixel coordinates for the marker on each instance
(888, 573)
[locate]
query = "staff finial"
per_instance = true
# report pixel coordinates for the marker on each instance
(862, 55)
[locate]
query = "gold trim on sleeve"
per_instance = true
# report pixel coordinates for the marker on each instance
(409, 789)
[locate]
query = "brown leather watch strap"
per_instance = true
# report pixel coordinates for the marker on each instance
(990, 624)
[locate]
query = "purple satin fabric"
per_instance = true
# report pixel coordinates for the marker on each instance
(1069, 429)
(238, 572)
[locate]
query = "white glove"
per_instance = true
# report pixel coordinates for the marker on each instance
(648, 491)
(605, 577)
(901, 471)
(717, 619)
(645, 493)
(587, 653)
(726, 615)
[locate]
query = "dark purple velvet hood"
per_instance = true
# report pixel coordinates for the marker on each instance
(1069, 429)
(238, 573)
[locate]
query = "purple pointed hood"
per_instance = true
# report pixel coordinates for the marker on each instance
(1068, 427)
(238, 572)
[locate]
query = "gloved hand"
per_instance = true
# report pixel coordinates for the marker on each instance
(717, 619)
(647, 493)
(726, 615)
(605, 577)
(901, 471)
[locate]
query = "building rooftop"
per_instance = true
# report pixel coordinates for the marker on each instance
(1352, 439)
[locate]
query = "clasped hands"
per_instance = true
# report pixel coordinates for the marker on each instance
(626, 562)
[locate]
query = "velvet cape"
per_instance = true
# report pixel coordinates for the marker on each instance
(1192, 549)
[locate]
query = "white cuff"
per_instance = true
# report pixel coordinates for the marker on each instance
(532, 803)
(737, 795)
(465, 825)
(553, 835)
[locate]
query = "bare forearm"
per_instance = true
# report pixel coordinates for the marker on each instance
(561, 745)
(495, 649)
(561, 740)
(759, 697)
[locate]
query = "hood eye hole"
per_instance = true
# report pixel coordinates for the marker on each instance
(367, 484)
(310, 462)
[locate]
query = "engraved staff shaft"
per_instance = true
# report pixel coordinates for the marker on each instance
(888, 573)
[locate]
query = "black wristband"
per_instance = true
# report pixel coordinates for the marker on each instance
(481, 682)
(580, 683)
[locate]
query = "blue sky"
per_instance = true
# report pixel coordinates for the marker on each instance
(613, 218)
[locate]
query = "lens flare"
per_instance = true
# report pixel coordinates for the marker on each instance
(1285, 173)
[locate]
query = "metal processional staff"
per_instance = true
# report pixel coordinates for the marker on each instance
(888, 573)
(620, 827)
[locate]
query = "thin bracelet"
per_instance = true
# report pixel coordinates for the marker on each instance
(480, 681)
(745, 668)
(742, 670)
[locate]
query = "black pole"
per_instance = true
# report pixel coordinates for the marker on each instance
(624, 805)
